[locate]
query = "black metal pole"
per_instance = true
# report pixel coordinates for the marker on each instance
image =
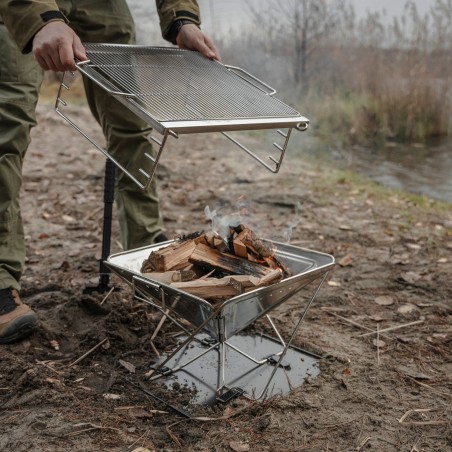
(109, 198)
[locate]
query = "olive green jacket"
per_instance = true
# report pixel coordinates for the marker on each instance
(24, 18)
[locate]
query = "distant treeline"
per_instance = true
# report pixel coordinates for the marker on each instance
(367, 79)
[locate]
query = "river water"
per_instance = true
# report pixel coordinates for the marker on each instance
(425, 170)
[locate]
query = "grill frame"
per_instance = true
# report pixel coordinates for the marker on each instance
(253, 92)
(195, 95)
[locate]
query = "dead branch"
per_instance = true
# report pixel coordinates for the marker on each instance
(88, 352)
(392, 328)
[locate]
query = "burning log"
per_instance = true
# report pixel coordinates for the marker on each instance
(247, 245)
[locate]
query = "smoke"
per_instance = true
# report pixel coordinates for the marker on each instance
(244, 213)
(287, 231)
(222, 221)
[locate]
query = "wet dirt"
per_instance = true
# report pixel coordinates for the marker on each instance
(394, 269)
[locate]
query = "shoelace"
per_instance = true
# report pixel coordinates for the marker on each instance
(7, 303)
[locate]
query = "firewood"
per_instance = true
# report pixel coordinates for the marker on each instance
(239, 247)
(212, 258)
(271, 278)
(257, 248)
(218, 288)
(172, 257)
(172, 276)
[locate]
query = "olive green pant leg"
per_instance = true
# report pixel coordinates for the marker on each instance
(138, 211)
(20, 79)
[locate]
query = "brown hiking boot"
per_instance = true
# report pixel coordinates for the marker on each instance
(17, 320)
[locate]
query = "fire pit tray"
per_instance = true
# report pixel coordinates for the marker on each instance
(224, 320)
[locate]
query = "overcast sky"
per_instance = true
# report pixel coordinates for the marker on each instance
(219, 16)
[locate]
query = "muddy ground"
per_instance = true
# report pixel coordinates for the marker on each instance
(394, 255)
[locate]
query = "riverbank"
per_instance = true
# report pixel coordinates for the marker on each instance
(394, 270)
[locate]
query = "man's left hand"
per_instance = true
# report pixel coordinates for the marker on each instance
(190, 37)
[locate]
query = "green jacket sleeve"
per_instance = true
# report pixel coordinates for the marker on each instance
(171, 10)
(24, 18)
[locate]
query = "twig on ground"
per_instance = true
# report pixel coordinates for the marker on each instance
(378, 345)
(173, 436)
(154, 349)
(350, 321)
(43, 363)
(393, 328)
(88, 352)
(425, 385)
(420, 423)
(363, 443)
(146, 433)
(92, 427)
(106, 296)
(93, 213)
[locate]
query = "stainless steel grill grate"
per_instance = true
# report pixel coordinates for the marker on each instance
(178, 92)
(178, 85)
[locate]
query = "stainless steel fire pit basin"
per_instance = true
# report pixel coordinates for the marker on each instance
(209, 353)
(233, 315)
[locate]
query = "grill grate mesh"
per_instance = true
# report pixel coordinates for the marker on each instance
(180, 85)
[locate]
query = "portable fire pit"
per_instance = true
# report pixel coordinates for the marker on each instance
(213, 357)
(180, 92)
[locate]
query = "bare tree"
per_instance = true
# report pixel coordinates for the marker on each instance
(301, 28)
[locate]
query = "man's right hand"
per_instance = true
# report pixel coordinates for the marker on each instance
(56, 46)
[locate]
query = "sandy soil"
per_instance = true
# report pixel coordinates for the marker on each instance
(394, 268)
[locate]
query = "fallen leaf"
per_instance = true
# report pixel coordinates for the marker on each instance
(140, 413)
(67, 218)
(129, 366)
(54, 344)
(376, 318)
(439, 335)
(43, 236)
(52, 380)
(346, 260)
(237, 446)
(334, 284)
(346, 372)
(379, 343)
(410, 277)
(384, 300)
(406, 309)
(111, 396)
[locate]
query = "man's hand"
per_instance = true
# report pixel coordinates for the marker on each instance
(192, 38)
(56, 46)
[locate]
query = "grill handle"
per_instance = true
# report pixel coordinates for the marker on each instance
(267, 89)
(83, 67)
(146, 176)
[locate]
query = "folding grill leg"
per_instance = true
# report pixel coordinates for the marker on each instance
(109, 198)
(284, 351)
